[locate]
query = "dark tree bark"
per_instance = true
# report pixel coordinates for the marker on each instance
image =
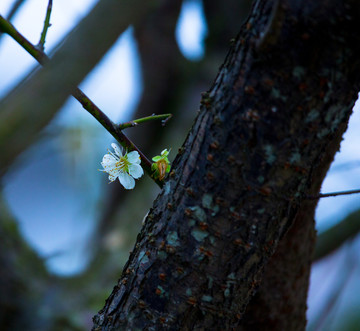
(265, 136)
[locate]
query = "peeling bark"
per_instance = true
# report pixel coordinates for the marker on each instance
(262, 142)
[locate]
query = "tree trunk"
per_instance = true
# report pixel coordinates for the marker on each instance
(264, 138)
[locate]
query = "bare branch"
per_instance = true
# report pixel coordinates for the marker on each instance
(14, 9)
(333, 194)
(163, 117)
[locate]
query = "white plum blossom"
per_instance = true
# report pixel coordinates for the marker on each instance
(125, 167)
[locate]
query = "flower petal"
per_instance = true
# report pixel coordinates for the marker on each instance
(117, 149)
(112, 177)
(114, 172)
(108, 161)
(135, 170)
(134, 157)
(127, 181)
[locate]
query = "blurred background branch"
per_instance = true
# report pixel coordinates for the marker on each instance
(14, 9)
(332, 238)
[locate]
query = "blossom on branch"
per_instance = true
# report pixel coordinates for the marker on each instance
(125, 167)
(162, 165)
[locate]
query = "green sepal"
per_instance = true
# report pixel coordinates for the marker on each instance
(157, 158)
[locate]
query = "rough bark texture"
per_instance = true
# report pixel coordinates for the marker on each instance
(272, 119)
(280, 302)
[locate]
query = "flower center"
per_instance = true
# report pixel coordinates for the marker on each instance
(122, 164)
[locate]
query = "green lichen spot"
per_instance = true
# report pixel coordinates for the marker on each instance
(215, 210)
(335, 123)
(162, 291)
(295, 158)
(191, 223)
(261, 179)
(198, 213)
(328, 95)
(145, 259)
(207, 298)
(298, 72)
(167, 188)
(276, 94)
(188, 292)
(207, 201)
(173, 239)
(211, 281)
(232, 276)
(269, 153)
(212, 240)
(322, 133)
(313, 115)
(141, 255)
(226, 293)
(261, 211)
(199, 234)
(331, 113)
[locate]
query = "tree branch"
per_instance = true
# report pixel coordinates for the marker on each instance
(8, 28)
(333, 194)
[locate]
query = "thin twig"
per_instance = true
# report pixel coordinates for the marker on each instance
(96, 112)
(41, 44)
(7, 27)
(333, 194)
(164, 121)
(163, 117)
